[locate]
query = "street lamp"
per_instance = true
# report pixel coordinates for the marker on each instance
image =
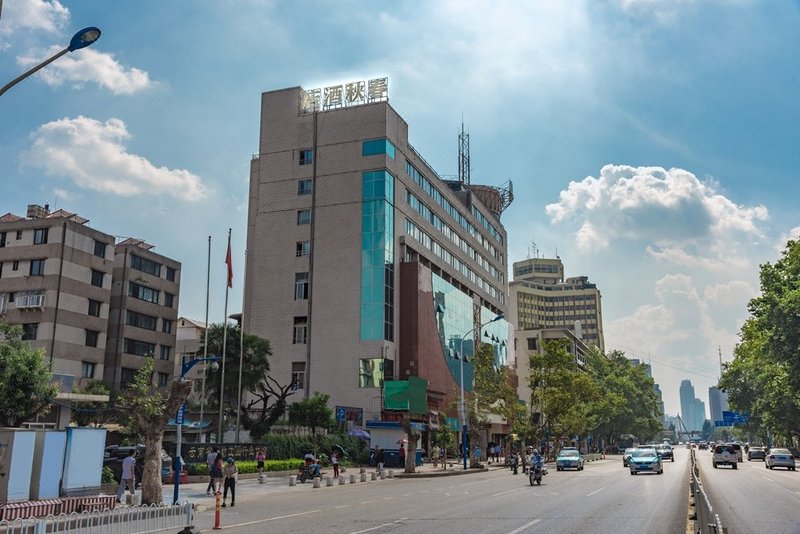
(462, 406)
(82, 39)
(176, 475)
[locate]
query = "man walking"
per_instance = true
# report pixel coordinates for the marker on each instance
(128, 477)
(210, 458)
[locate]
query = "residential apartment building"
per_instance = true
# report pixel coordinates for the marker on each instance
(542, 299)
(93, 307)
(363, 263)
(55, 281)
(144, 313)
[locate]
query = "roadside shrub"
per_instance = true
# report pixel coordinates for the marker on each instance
(250, 466)
(107, 476)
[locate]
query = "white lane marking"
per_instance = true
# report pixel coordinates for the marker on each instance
(407, 494)
(270, 519)
(505, 492)
(595, 491)
(767, 478)
(343, 506)
(523, 527)
(366, 502)
(380, 526)
(388, 498)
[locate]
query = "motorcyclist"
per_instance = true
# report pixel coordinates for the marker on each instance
(536, 459)
(312, 464)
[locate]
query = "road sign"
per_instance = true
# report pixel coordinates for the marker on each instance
(181, 413)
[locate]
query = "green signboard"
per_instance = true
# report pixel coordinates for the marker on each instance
(406, 395)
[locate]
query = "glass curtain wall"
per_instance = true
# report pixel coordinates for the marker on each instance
(496, 334)
(454, 319)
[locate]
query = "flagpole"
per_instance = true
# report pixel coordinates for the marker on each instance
(205, 340)
(241, 352)
(224, 341)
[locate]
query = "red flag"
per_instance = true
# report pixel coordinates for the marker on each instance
(229, 263)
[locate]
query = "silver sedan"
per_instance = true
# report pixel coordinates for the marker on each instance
(779, 458)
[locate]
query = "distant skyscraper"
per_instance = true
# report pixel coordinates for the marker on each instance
(693, 410)
(717, 402)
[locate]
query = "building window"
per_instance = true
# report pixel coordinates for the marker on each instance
(37, 267)
(298, 375)
(4, 300)
(139, 348)
(94, 308)
(165, 352)
(2, 239)
(30, 299)
(303, 217)
(169, 299)
(300, 286)
(303, 248)
(145, 265)
(29, 331)
(373, 371)
(19, 235)
(170, 274)
(40, 236)
(87, 369)
(99, 249)
(15, 265)
(532, 343)
(166, 326)
(91, 338)
(163, 380)
(141, 292)
(306, 157)
(374, 147)
(300, 330)
(97, 278)
(127, 376)
(140, 320)
(304, 187)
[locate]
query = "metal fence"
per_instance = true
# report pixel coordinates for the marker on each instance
(706, 521)
(123, 520)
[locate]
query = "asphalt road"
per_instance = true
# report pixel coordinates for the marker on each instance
(752, 499)
(603, 498)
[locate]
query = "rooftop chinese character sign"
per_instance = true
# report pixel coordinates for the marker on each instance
(345, 95)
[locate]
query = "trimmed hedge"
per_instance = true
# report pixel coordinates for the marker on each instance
(250, 466)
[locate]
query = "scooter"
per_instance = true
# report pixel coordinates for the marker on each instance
(535, 474)
(306, 472)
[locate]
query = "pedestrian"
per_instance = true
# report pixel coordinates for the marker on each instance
(497, 453)
(261, 456)
(231, 473)
(210, 457)
(216, 474)
(335, 462)
(477, 454)
(379, 458)
(435, 456)
(402, 455)
(128, 477)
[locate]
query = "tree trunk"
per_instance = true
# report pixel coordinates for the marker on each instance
(152, 492)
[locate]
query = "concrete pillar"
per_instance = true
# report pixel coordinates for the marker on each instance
(363, 477)
(391, 473)
(341, 480)
(352, 479)
(316, 482)
(383, 475)
(293, 480)
(373, 476)
(328, 481)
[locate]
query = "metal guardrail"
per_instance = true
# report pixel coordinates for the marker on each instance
(706, 521)
(123, 520)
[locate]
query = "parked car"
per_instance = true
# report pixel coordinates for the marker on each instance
(626, 456)
(114, 454)
(724, 455)
(780, 458)
(645, 461)
(665, 451)
(756, 453)
(569, 459)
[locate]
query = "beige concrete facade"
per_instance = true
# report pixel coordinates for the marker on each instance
(329, 248)
(544, 300)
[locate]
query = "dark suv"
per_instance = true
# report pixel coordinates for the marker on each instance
(114, 455)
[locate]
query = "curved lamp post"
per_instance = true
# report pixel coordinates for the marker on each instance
(82, 39)
(463, 407)
(178, 463)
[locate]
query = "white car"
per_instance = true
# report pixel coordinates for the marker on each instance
(725, 455)
(779, 458)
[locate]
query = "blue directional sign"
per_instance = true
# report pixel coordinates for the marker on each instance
(181, 413)
(732, 419)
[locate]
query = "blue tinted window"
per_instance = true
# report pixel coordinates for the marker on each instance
(377, 256)
(374, 147)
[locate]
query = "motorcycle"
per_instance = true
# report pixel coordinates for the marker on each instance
(535, 474)
(306, 472)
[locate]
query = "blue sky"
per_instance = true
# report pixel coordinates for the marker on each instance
(653, 145)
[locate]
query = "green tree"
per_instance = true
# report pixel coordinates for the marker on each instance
(26, 390)
(147, 411)
(94, 413)
(312, 412)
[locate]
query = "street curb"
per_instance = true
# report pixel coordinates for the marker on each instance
(443, 473)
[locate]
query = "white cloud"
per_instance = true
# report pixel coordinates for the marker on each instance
(92, 154)
(86, 65)
(33, 15)
(675, 216)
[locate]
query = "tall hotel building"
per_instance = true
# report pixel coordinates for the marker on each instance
(363, 264)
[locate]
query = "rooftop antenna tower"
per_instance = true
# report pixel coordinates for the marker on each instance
(463, 155)
(719, 348)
